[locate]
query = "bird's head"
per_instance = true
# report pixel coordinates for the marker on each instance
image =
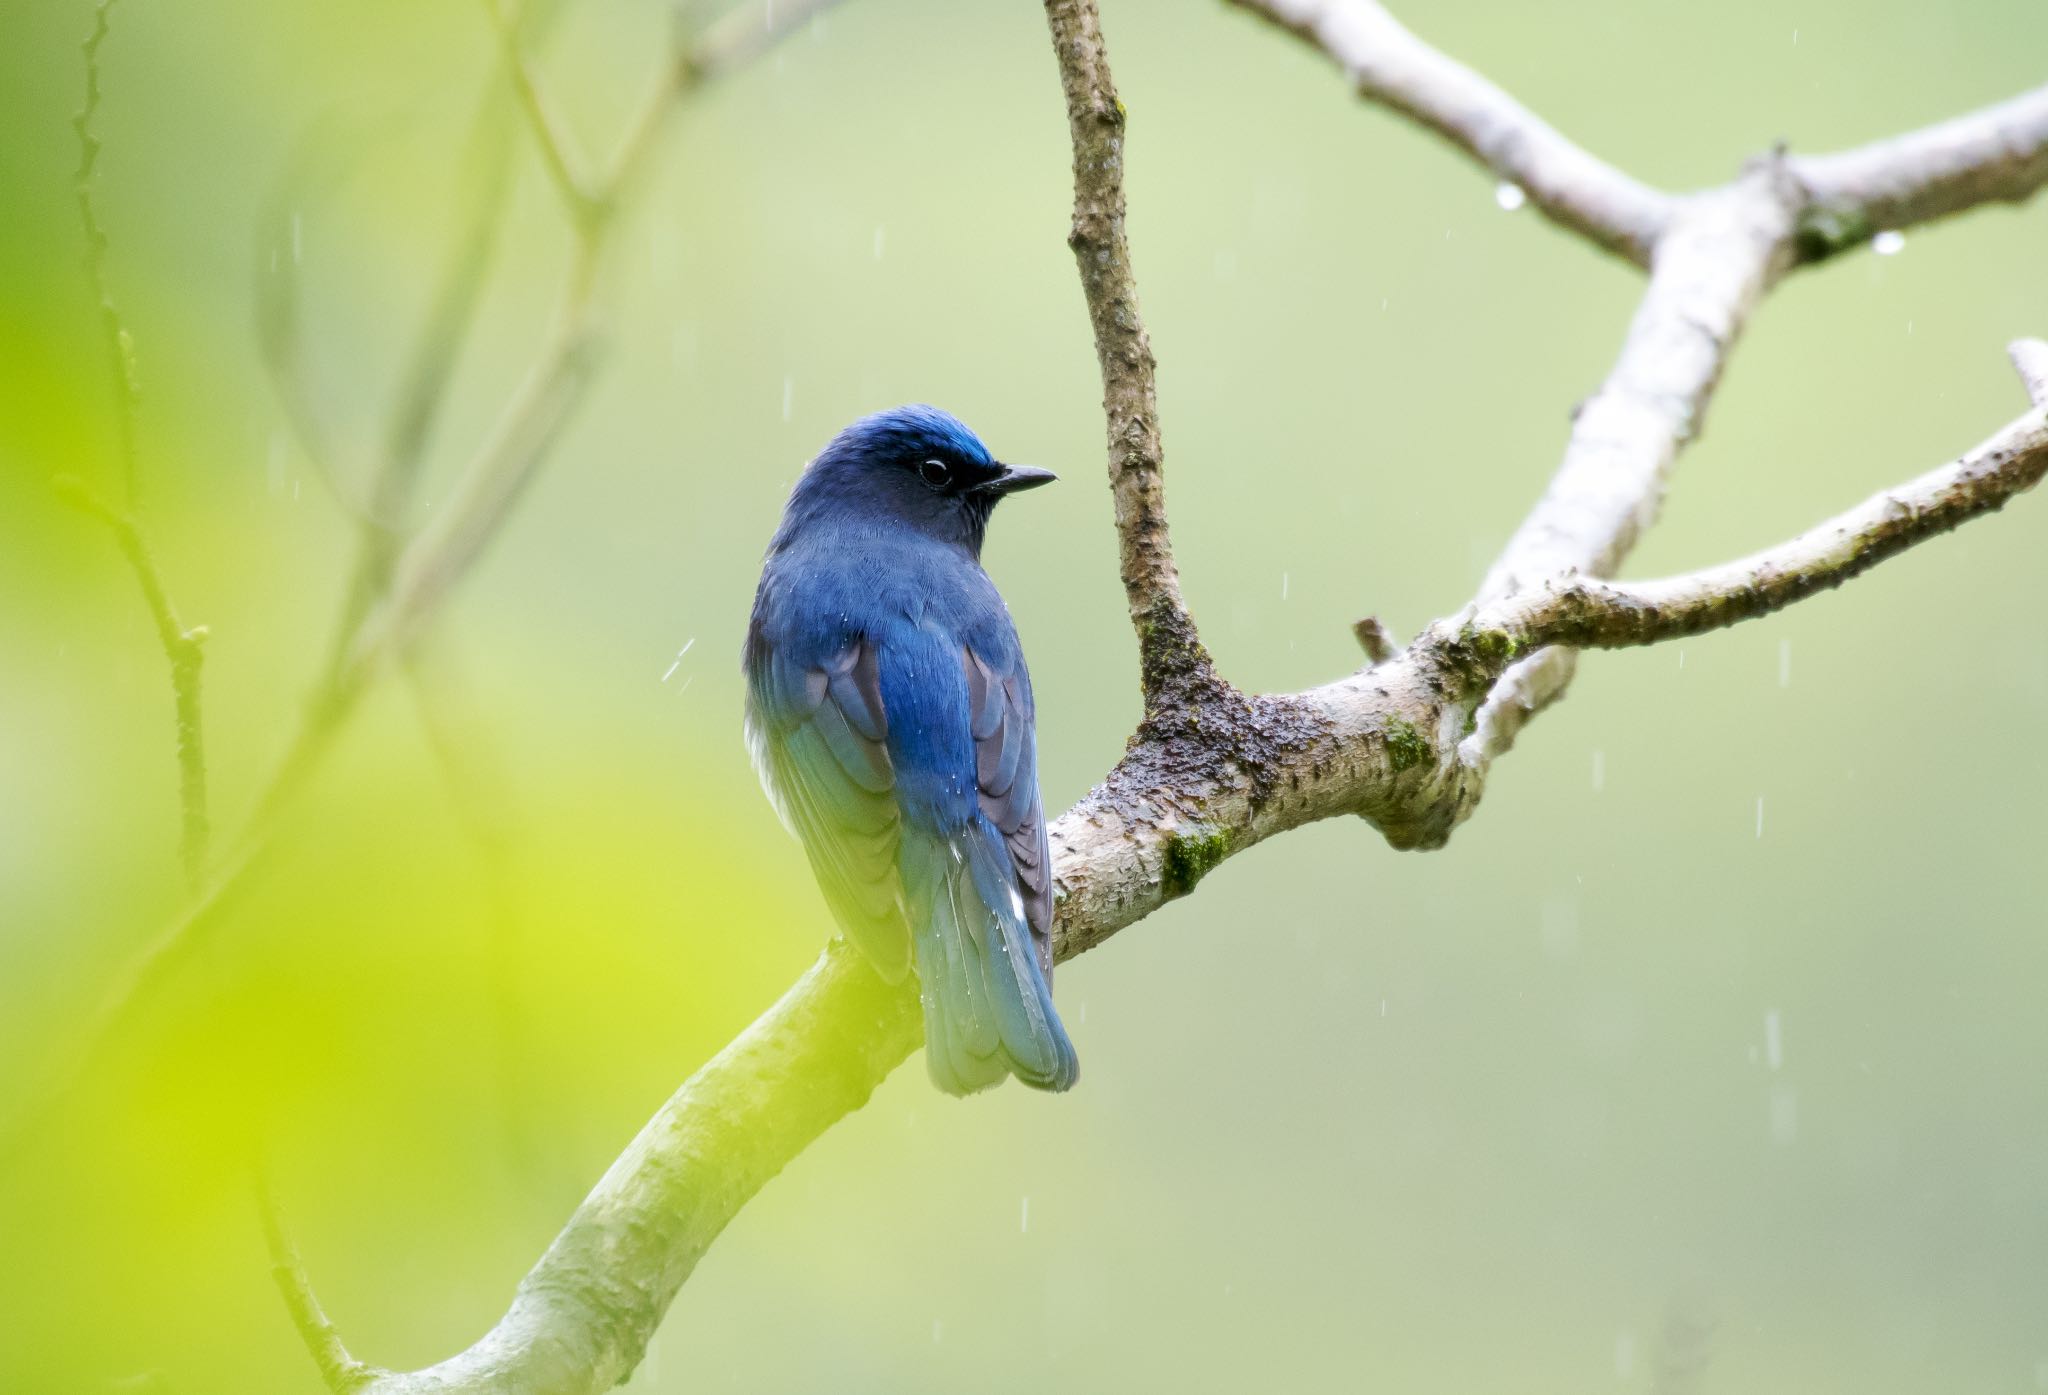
(917, 466)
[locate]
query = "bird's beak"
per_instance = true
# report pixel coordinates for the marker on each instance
(1016, 477)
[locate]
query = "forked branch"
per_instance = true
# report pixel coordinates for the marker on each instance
(1588, 613)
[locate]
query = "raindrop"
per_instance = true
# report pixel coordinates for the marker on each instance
(938, 1331)
(1774, 1040)
(1081, 1013)
(1795, 38)
(1759, 816)
(1599, 771)
(1681, 660)
(1283, 586)
(679, 660)
(880, 233)
(1383, 1007)
(1509, 195)
(1784, 663)
(1784, 1115)
(1624, 1354)
(1888, 243)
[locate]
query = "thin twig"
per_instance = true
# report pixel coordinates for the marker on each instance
(185, 650)
(120, 344)
(1170, 653)
(564, 165)
(341, 1372)
(182, 646)
(1373, 638)
(1588, 613)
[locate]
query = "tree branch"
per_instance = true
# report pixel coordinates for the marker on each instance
(1170, 654)
(1389, 65)
(181, 646)
(184, 649)
(1721, 253)
(343, 1373)
(1999, 154)
(120, 344)
(564, 165)
(2030, 357)
(1587, 613)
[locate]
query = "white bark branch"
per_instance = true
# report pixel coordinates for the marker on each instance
(1721, 253)
(1998, 154)
(1588, 613)
(1389, 65)
(2030, 357)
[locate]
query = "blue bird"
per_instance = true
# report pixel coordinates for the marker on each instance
(889, 715)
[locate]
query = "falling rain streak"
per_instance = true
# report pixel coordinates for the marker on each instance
(679, 659)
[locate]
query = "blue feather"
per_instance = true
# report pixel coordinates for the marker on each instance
(890, 713)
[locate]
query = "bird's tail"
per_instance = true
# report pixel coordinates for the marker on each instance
(987, 1000)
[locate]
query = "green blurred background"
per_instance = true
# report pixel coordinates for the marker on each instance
(1511, 1116)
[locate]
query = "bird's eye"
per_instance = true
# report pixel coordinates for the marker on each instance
(936, 473)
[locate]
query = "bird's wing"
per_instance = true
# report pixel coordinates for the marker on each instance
(820, 740)
(1006, 776)
(975, 876)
